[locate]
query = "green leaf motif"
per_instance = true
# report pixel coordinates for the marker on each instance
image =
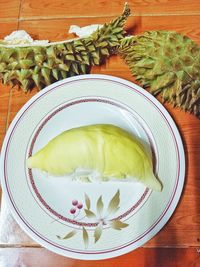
(89, 213)
(69, 235)
(85, 237)
(87, 201)
(114, 203)
(118, 225)
(100, 206)
(98, 232)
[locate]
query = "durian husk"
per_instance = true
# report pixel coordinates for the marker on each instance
(168, 63)
(40, 65)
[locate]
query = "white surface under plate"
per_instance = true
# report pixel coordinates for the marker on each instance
(41, 204)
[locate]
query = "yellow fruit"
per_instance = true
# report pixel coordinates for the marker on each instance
(107, 149)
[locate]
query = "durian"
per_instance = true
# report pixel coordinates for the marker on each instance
(105, 148)
(168, 63)
(41, 65)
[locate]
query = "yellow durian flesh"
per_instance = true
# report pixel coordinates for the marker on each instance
(107, 149)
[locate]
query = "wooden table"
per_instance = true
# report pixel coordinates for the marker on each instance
(178, 243)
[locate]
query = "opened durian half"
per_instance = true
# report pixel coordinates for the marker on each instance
(107, 149)
(169, 64)
(41, 65)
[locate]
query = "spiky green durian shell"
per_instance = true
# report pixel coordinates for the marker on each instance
(39, 66)
(168, 63)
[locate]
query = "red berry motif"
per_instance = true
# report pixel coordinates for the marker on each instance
(79, 206)
(72, 211)
(75, 202)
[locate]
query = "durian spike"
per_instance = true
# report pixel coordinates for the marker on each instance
(54, 61)
(169, 63)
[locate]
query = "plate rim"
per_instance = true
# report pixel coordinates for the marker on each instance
(172, 206)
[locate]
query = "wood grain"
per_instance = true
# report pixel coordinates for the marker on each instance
(35, 257)
(18, 99)
(50, 19)
(57, 29)
(181, 24)
(9, 9)
(32, 9)
(7, 27)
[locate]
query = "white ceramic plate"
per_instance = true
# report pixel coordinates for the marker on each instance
(46, 207)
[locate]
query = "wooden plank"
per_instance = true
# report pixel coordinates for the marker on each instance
(18, 99)
(185, 25)
(35, 257)
(7, 27)
(9, 9)
(57, 29)
(62, 8)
